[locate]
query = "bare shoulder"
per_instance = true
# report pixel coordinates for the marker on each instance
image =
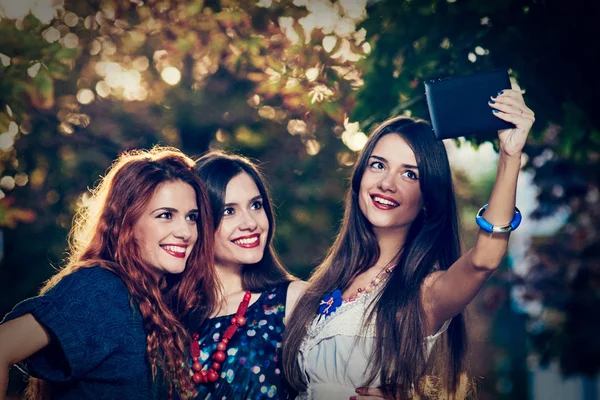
(295, 291)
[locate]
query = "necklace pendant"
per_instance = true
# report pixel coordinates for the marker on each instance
(196, 366)
(330, 302)
(211, 375)
(219, 356)
(197, 378)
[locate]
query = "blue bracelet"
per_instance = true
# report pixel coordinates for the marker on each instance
(486, 226)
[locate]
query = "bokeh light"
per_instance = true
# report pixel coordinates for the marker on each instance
(33, 70)
(43, 10)
(5, 60)
(352, 137)
(85, 96)
(7, 182)
(71, 40)
(171, 75)
(51, 34)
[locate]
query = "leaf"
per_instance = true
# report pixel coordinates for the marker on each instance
(10, 216)
(66, 53)
(41, 90)
(58, 70)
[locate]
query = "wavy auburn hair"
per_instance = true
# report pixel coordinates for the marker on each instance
(432, 243)
(103, 235)
(216, 169)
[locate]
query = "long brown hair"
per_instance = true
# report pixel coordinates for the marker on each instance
(216, 169)
(432, 243)
(102, 235)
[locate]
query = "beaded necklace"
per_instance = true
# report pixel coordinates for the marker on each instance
(211, 375)
(371, 285)
(331, 301)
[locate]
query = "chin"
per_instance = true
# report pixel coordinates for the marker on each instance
(381, 222)
(251, 259)
(175, 270)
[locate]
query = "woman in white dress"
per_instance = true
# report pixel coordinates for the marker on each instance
(395, 283)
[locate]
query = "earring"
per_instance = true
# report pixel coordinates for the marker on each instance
(425, 212)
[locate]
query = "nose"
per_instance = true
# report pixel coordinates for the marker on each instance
(248, 222)
(387, 183)
(184, 230)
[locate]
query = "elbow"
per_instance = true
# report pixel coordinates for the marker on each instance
(484, 261)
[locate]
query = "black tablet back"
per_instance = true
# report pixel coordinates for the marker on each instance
(458, 106)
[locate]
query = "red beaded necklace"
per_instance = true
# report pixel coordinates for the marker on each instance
(205, 376)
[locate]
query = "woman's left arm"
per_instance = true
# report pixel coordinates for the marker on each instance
(447, 293)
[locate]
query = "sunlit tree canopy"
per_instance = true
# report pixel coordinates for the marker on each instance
(297, 85)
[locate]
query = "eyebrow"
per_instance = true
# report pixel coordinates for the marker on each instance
(173, 210)
(259, 197)
(404, 165)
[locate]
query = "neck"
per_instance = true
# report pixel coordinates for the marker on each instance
(390, 243)
(230, 278)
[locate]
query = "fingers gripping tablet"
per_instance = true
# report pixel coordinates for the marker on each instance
(458, 106)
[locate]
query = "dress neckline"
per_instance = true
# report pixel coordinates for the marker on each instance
(320, 320)
(250, 307)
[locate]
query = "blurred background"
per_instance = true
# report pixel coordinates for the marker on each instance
(298, 85)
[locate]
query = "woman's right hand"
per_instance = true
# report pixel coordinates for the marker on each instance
(369, 393)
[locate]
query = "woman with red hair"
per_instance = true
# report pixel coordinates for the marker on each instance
(107, 325)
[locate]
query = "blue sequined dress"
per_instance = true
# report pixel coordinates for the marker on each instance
(252, 369)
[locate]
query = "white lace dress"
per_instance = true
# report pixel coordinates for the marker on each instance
(335, 352)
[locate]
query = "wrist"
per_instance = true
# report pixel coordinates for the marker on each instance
(513, 159)
(511, 155)
(491, 228)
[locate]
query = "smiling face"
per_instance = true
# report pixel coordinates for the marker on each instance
(390, 196)
(166, 231)
(242, 234)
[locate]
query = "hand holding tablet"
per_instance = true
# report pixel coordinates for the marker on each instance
(458, 106)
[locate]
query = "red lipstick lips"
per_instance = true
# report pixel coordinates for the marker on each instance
(248, 242)
(169, 249)
(388, 203)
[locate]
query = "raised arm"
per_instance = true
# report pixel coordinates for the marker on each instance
(19, 339)
(447, 293)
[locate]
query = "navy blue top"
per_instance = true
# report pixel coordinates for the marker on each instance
(252, 369)
(98, 344)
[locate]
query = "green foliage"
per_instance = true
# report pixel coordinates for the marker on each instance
(196, 75)
(106, 76)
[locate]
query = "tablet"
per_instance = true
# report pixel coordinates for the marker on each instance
(458, 106)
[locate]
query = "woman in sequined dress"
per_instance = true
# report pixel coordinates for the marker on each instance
(384, 309)
(245, 261)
